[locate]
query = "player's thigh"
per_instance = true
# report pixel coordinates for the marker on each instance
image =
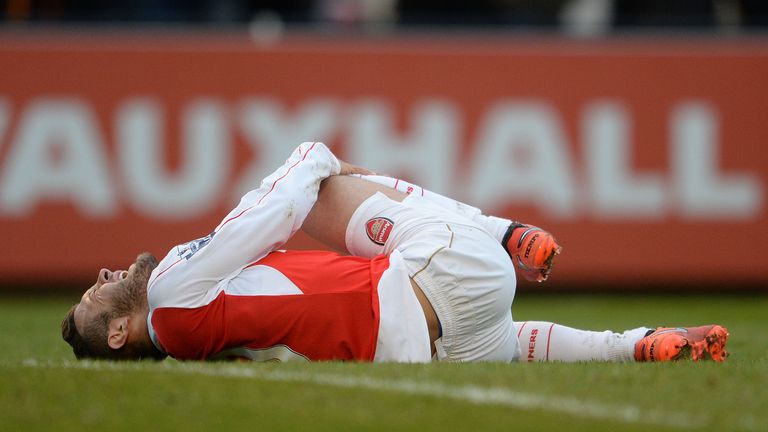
(470, 282)
(338, 199)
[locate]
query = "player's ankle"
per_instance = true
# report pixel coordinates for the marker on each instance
(507, 239)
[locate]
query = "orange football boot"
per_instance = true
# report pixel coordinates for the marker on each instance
(532, 250)
(695, 343)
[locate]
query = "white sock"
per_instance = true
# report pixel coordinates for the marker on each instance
(546, 341)
(494, 225)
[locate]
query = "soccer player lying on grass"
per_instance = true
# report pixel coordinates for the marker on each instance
(428, 278)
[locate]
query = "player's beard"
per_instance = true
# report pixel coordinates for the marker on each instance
(134, 297)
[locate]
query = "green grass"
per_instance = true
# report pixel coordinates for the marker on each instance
(42, 388)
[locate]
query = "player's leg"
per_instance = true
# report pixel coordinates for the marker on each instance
(530, 248)
(546, 341)
(494, 225)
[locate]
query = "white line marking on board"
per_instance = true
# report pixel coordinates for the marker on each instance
(467, 393)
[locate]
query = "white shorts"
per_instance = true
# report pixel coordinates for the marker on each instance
(463, 271)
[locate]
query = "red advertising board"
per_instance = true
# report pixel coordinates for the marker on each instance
(647, 158)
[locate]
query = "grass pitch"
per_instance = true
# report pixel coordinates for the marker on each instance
(43, 388)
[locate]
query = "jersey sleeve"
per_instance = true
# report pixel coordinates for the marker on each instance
(264, 220)
(268, 216)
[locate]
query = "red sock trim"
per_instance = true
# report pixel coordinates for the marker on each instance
(521, 329)
(549, 338)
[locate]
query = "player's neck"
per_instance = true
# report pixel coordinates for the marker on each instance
(139, 333)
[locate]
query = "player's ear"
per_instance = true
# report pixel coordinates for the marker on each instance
(117, 332)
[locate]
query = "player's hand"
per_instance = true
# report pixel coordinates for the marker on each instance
(347, 168)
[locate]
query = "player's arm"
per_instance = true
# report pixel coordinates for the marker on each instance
(269, 215)
(263, 221)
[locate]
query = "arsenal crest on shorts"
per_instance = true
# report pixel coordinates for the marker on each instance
(378, 229)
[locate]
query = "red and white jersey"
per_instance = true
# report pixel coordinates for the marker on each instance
(233, 294)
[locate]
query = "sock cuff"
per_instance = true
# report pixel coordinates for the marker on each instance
(632, 337)
(509, 227)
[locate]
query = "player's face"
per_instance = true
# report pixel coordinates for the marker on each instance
(98, 299)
